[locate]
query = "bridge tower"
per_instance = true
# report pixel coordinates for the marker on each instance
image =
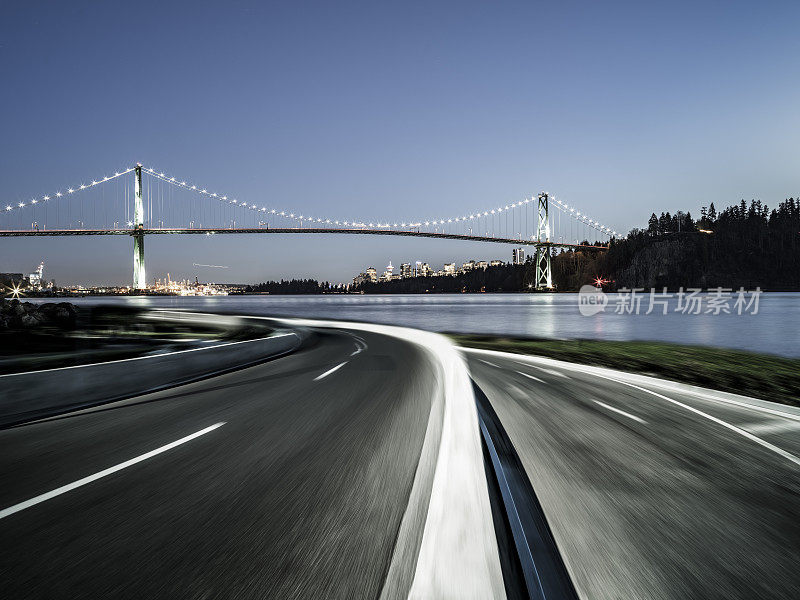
(544, 275)
(139, 279)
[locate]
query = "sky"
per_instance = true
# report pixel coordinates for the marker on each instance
(405, 110)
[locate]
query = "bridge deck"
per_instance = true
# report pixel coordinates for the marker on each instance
(281, 230)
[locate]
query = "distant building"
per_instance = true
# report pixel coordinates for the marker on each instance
(423, 270)
(387, 274)
(449, 268)
(35, 278)
(361, 279)
(496, 263)
(518, 256)
(468, 266)
(372, 273)
(405, 270)
(481, 264)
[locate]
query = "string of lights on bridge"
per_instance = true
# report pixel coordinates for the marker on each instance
(569, 211)
(67, 191)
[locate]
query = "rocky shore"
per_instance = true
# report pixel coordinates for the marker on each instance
(20, 316)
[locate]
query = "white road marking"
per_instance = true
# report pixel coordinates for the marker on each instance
(622, 412)
(161, 355)
(81, 482)
(618, 375)
(734, 428)
(329, 371)
(361, 345)
(490, 364)
(772, 426)
(549, 371)
(531, 377)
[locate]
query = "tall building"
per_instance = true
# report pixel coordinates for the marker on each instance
(518, 256)
(387, 274)
(450, 268)
(372, 273)
(423, 269)
(405, 270)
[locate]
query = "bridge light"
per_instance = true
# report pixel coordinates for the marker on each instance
(21, 204)
(183, 183)
(272, 211)
(427, 223)
(214, 195)
(94, 182)
(70, 190)
(161, 175)
(346, 223)
(9, 207)
(291, 215)
(283, 214)
(83, 187)
(130, 223)
(194, 187)
(33, 201)
(58, 194)
(172, 179)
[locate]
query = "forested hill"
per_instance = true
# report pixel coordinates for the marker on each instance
(741, 246)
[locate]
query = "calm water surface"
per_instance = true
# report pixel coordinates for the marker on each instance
(775, 329)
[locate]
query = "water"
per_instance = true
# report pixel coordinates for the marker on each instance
(774, 329)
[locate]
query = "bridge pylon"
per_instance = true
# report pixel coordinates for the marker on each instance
(139, 279)
(544, 274)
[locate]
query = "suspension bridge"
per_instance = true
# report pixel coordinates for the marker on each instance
(154, 203)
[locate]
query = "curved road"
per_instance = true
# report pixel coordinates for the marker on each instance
(334, 472)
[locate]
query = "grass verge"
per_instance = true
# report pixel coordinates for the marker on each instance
(762, 376)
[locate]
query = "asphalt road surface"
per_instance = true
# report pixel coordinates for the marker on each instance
(654, 492)
(314, 476)
(299, 494)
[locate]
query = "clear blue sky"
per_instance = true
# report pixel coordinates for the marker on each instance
(393, 110)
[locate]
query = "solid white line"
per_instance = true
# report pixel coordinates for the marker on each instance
(530, 377)
(328, 372)
(734, 428)
(598, 372)
(458, 555)
(109, 362)
(772, 427)
(490, 364)
(622, 412)
(81, 482)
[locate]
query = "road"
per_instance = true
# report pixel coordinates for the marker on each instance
(346, 470)
(653, 491)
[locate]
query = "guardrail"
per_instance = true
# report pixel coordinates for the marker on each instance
(36, 394)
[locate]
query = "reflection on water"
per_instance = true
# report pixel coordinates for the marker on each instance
(774, 329)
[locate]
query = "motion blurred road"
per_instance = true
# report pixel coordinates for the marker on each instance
(653, 493)
(298, 495)
(291, 479)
